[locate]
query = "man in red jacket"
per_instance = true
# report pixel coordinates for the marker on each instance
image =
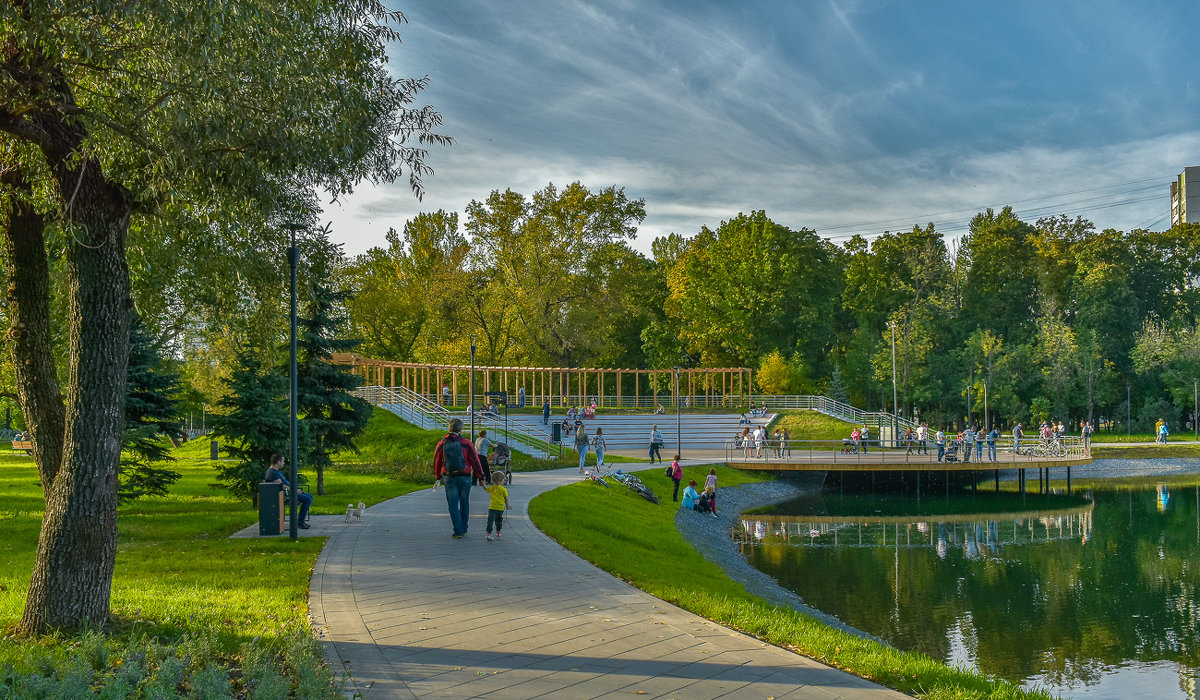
(455, 464)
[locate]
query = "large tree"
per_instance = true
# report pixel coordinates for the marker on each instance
(112, 113)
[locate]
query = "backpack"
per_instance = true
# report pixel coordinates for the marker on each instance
(452, 452)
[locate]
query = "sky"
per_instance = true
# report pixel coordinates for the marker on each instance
(845, 117)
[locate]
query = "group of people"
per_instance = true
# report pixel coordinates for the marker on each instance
(754, 441)
(1161, 431)
(457, 465)
(583, 441)
(702, 502)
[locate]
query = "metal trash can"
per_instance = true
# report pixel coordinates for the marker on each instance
(556, 432)
(270, 509)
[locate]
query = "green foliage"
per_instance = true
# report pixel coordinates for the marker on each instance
(254, 423)
(333, 416)
(151, 413)
(1039, 410)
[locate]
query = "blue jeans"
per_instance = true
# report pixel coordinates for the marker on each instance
(992, 451)
(599, 456)
(582, 456)
(458, 499)
(303, 501)
(941, 452)
(979, 452)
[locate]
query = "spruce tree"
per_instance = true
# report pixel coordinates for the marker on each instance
(332, 415)
(254, 422)
(151, 411)
(837, 388)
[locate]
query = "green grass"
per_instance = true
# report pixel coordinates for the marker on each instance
(638, 542)
(1144, 451)
(810, 425)
(228, 610)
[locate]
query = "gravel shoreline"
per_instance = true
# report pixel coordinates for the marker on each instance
(714, 540)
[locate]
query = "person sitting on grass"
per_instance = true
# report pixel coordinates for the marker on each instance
(708, 502)
(690, 496)
(304, 500)
(660, 410)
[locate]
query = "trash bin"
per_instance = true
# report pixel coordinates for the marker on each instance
(270, 509)
(556, 432)
(212, 449)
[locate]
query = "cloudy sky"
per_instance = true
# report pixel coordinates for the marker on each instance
(841, 116)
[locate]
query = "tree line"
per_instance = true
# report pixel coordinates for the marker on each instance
(1043, 319)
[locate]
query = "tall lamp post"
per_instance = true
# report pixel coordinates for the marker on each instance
(294, 448)
(678, 420)
(1128, 406)
(895, 401)
(471, 398)
(1196, 407)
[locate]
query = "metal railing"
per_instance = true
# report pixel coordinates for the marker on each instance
(427, 414)
(1029, 451)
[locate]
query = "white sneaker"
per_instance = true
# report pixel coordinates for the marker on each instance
(713, 514)
(489, 537)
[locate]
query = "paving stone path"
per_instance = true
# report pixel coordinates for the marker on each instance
(407, 611)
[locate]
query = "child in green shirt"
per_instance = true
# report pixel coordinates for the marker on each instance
(497, 505)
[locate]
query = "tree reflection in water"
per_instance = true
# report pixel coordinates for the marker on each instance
(1062, 591)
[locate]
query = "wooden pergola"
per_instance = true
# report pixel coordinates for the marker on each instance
(725, 386)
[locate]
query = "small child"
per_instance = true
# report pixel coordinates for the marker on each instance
(497, 505)
(710, 481)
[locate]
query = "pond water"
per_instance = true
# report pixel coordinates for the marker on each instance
(1093, 595)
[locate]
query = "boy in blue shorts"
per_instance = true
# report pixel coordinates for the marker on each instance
(497, 505)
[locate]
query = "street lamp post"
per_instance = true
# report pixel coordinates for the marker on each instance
(294, 448)
(895, 402)
(471, 398)
(1128, 406)
(678, 420)
(1196, 408)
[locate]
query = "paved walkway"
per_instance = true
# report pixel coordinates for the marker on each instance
(408, 612)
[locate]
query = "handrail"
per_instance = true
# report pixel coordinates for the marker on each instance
(1031, 451)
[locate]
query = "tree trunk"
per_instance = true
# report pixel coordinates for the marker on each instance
(72, 577)
(30, 338)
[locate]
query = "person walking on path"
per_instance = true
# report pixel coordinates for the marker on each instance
(922, 439)
(497, 504)
(521, 397)
(581, 445)
(939, 439)
(598, 441)
(656, 444)
(303, 500)
(483, 447)
(455, 464)
(546, 413)
(909, 438)
(676, 473)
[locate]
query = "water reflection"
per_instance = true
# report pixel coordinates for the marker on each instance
(1085, 596)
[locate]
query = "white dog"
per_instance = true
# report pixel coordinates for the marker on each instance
(355, 512)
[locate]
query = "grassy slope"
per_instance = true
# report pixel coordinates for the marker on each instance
(638, 542)
(810, 425)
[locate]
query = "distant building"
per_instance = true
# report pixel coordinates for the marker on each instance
(1185, 197)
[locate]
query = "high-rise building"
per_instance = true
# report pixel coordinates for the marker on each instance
(1185, 197)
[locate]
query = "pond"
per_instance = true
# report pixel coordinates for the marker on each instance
(1091, 595)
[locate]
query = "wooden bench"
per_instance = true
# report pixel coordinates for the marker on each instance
(23, 445)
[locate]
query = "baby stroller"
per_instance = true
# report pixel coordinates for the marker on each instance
(952, 451)
(849, 447)
(502, 460)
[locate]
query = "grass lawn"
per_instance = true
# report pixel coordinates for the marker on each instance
(1118, 451)
(638, 542)
(194, 612)
(810, 425)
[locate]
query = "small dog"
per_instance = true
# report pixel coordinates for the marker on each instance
(355, 512)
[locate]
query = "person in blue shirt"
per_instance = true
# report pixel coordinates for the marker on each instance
(303, 500)
(546, 413)
(690, 496)
(991, 443)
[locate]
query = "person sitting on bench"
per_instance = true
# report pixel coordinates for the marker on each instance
(304, 500)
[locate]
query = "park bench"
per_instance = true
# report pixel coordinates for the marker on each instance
(25, 446)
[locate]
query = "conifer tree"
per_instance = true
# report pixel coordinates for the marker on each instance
(837, 388)
(150, 412)
(254, 422)
(332, 415)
